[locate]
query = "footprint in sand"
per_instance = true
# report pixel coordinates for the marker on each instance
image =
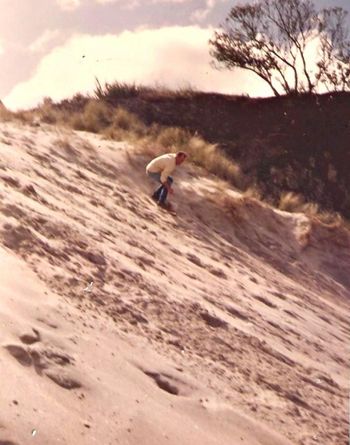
(20, 354)
(213, 321)
(30, 338)
(46, 361)
(7, 442)
(15, 237)
(170, 381)
(63, 380)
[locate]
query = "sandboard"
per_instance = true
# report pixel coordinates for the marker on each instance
(169, 208)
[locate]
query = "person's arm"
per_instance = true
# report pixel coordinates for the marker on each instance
(164, 178)
(168, 187)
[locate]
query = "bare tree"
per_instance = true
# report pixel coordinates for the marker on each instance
(334, 62)
(272, 38)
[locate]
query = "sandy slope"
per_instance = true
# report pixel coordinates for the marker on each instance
(208, 328)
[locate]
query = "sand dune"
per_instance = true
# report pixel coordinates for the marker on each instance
(227, 324)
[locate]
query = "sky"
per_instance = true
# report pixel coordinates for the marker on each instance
(56, 48)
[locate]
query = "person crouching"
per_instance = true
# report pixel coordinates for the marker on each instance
(160, 169)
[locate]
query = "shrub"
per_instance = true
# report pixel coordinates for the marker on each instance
(127, 121)
(214, 160)
(76, 122)
(5, 114)
(253, 192)
(173, 138)
(291, 202)
(111, 92)
(47, 112)
(97, 116)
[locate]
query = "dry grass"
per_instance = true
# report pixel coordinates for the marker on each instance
(232, 206)
(112, 93)
(295, 203)
(214, 160)
(290, 202)
(201, 153)
(5, 114)
(96, 117)
(332, 220)
(253, 192)
(173, 138)
(117, 90)
(158, 140)
(47, 114)
(19, 116)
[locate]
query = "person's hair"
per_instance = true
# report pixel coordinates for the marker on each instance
(182, 154)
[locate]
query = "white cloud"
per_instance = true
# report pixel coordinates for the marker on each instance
(171, 1)
(69, 5)
(48, 37)
(130, 4)
(135, 3)
(172, 56)
(202, 13)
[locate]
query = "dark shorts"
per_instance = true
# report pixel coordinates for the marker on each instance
(156, 177)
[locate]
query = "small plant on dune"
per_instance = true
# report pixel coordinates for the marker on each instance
(291, 202)
(173, 137)
(22, 116)
(74, 104)
(127, 121)
(186, 92)
(76, 121)
(214, 160)
(47, 113)
(5, 114)
(97, 116)
(114, 92)
(304, 235)
(125, 126)
(147, 146)
(253, 192)
(27, 117)
(111, 92)
(332, 220)
(310, 209)
(163, 92)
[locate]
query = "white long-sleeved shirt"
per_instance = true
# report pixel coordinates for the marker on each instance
(164, 165)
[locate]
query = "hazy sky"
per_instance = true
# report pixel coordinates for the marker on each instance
(57, 47)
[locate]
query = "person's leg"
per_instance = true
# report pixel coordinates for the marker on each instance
(157, 193)
(156, 177)
(163, 195)
(164, 191)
